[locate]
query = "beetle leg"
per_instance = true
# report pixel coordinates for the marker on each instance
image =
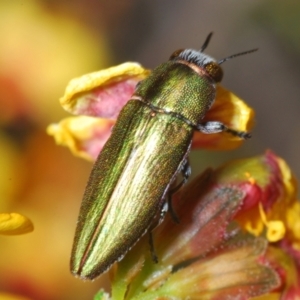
(167, 207)
(152, 249)
(154, 225)
(215, 127)
(186, 173)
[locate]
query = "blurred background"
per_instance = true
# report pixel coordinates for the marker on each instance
(44, 44)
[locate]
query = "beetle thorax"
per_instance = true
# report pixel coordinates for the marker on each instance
(199, 62)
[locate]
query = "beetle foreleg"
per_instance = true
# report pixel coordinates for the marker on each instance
(186, 173)
(215, 127)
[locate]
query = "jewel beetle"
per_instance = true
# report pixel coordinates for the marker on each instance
(131, 180)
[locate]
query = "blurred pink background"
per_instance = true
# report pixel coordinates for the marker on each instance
(44, 44)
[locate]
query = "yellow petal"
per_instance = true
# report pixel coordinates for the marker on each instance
(243, 115)
(84, 136)
(74, 98)
(289, 180)
(293, 224)
(232, 112)
(13, 223)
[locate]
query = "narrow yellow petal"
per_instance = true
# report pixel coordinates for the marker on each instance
(13, 223)
(254, 228)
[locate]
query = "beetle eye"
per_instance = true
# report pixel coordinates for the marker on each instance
(176, 53)
(214, 71)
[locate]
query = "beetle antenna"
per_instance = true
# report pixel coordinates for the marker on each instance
(235, 55)
(206, 42)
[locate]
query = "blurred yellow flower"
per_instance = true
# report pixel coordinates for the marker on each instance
(43, 44)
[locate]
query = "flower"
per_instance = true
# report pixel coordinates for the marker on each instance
(97, 99)
(211, 254)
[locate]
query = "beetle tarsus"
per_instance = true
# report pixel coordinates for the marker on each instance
(242, 134)
(245, 135)
(216, 127)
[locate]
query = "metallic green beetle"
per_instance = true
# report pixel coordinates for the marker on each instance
(149, 145)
